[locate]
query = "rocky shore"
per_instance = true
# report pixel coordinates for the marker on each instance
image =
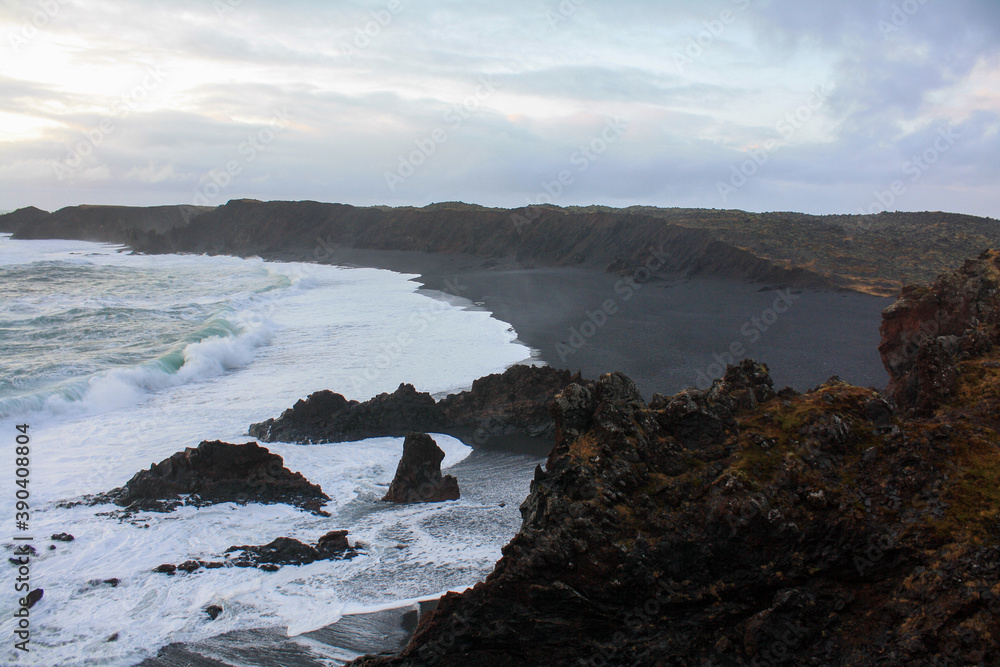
(509, 408)
(739, 525)
(215, 472)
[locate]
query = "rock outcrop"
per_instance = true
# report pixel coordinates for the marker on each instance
(329, 417)
(504, 405)
(930, 329)
(418, 476)
(271, 556)
(286, 551)
(512, 403)
(737, 526)
(217, 472)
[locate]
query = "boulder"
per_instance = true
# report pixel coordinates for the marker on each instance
(418, 476)
(217, 472)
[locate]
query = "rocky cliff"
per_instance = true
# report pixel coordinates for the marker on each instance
(108, 224)
(930, 329)
(545, 235)
(780, 247)
(11, 222)
(737, 525)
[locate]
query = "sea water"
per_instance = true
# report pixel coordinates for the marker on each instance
(115, 361)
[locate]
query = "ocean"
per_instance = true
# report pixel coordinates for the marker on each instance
(116, 361)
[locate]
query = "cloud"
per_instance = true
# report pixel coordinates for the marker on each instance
(368, 82)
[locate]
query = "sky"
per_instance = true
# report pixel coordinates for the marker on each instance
(761, 105)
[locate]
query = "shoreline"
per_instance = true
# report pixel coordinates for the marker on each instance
(667, 335)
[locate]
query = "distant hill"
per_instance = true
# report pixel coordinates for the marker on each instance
(9, 222)
(873, 254)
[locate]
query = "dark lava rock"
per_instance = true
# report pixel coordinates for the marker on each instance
(33, 597)
(418, 476)
(328, 417)
(63, 537)
(509, 405)
(333, 544)
(166, 568)
(930, 329)
(213, 611)
(512, 403)
(737, 527)
(189, 566)
(286, 551)
(217, 472)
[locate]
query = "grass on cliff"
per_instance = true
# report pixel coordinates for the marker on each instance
(973, 489)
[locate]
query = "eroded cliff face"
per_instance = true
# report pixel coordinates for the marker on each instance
(930, 329)
(306, 230)
(737, 526)
(107, 224)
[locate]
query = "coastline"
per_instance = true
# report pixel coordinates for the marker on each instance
(545, 305)
(667, 335)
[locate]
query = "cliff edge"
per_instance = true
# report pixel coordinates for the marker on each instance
(739, 525)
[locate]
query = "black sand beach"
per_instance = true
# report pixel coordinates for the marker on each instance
(666, 335)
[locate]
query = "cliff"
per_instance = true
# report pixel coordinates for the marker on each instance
(106, 224)
(11, 222)
(843, 251)
(545, 236)
(737, 525)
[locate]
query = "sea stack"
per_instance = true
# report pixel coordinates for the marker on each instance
(418, 476)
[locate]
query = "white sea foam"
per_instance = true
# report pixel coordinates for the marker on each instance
(286, 330)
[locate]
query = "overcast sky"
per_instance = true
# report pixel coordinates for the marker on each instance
(822, 107)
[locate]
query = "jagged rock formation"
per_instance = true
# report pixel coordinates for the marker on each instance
(216, 472)
(735, 526)
(512, 403)
(515, 402)
(930, 329)
(418, 476)
(328, 417)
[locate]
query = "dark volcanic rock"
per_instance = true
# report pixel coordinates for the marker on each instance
(418, 476)
(281, 551)
(33, 597)
(931, 328)
(735, 527)
(286, 551)
(328, 417)
(213, 611)
(217, 472)
(512, 404)
(63, 537)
